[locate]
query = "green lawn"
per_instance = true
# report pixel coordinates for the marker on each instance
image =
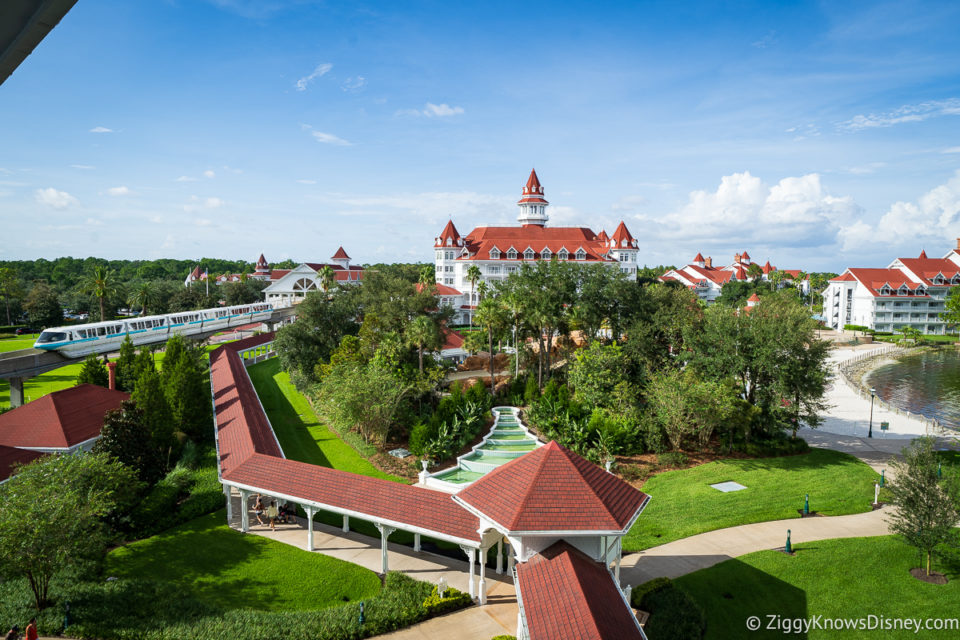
(302, 436)
(16, 343)
(225, 568)
(845, 578)
(684, 504)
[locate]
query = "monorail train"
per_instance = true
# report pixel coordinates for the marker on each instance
(102, 337)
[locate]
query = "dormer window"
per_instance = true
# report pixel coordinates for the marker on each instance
(955, 279)
(904, 290)
(545, 254)
(494, 254)
(529, 254)
(938, 279)
(921, 290)
(581, 254)
(563, 254)
(885, 290)
(511, 254)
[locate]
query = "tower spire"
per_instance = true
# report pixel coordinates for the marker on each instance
(533, 206)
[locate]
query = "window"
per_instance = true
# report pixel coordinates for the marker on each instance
(885, 290)
(564, 254)
(494, 268)
(450, 255)
(494, 254)
(528, 254)
(448, 281)
(938, 279)
(439, 255)
(545, 254)
(581, 254)
(512, 254)
(624, 257)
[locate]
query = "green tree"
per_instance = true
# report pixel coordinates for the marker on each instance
(93, 371)
(143, 295)
(321, 322)
(427, 275)
(926, 513)
(102, 284)
(687, 407)
(54, 512)
(494, 318)
(150, 398)
(777, 277)
(473, 275)
(754, 271)
(595, 373)
(423, 333)
(327, 278)
(43, 307)
(10, 289)
(362, 398)
(124, 436)
(188, 397)
(127, 365)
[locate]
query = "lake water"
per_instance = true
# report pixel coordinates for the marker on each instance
(927, 383)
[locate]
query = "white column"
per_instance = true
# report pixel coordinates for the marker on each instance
(346, 524)
(310, 513)
(244, 510)
(510, 560)
(616, 571)
(482, 557)
(385, 532)
(416, 542)
(520, 635)
(470, 551)
(226, 492)
(500, 556)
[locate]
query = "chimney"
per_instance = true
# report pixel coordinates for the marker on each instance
(709, 260)
(112, 370)
(958, 244)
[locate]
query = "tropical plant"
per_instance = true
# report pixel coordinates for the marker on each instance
(101, 283)
(422, 333)
(143, 295)
(327, 278)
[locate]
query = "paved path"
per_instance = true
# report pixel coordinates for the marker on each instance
(498, 617)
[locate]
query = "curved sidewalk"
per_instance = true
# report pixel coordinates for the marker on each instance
(681, 557)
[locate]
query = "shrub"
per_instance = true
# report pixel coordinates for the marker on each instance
(504, 638)
(452, 599)
(773, 447)
(672, 459)
(420, 436)
(673, 613)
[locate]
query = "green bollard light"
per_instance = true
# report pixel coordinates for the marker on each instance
(788, 548)
(363, 618)
(882, 473)
(939, 470)
(806, 504)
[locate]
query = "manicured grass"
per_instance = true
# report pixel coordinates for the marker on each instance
(944, 339)
(62, 378)
(302, 437)
(844, 578)
(684, 504)
(16, 343)
(228, 569)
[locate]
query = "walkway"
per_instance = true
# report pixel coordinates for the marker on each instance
(497, 617)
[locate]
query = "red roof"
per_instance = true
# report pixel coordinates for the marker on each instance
(554, 489)
(262, 265)
(744, 256)
(276, 274)
(340, 255)
(568, 596)
(875, 279)
(449, 233)
(846, 277)
(929, 268)
(767, 268)
(60, 420)
(250, 455)
(532, 191)
(698, 257)
(441, 290)
(923, 255)
(252, 341)
(621, 237)
(482, 240)
(451, 339)
(11, 456)
(602, 236)
(753, 298)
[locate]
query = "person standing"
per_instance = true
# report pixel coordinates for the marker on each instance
(31, 630)
(272, 514)
(13, 634)
(258, 508)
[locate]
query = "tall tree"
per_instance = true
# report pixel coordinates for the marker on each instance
(10, 288)
(423, 333)
(149, 396)
(93, 371)
(188, 397)
(327, 278)
(951, 308)
(494, 318)
(53, 515)
(754, 271)
(127, 365)
(926, 513)
(473, 275)
(321, 322)
(124, 436)
(143, 295)
(362, 398)
(43, 307)
(101, 283)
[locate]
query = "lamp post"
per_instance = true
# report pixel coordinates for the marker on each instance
(873, 394)
(788, 548)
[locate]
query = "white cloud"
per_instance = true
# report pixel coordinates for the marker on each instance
(866, 169)
(213, 203)
(307, 181)
(329, 138)
(186, 179)
(203, 222)
(766, 41)
(907, 113)
(119, 191)
(85, 167)
(101, 130)
(209, 173)
(158, 219)
(321, 70)
(951, 150)
(433, 110)
(93, 222)
(202, 204)
(55, 199)
(354, 84)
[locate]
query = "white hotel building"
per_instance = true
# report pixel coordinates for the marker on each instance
(910, 292)
(499, 251)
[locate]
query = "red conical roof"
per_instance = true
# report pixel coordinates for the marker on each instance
(923, 254)
(553, 489)
(340, 255)
(602, 236)
(532, 191)
(744, 256)
(753, 298)
(699, 257)
(449, 233)
(620, 234)
(767, 268)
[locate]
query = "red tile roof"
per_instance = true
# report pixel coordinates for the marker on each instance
(441, 290)
(340, 255)
(60, 420)
(621, 237)
(846, 277)
(11, 456)
(250, 455)
(449, 233)
(451, 339)
(554, 489)
(874, 279)
(698, 257)
(928, 268)
(602, 236)
(276, 274)
(532, 191)
(568, 596)
(482, 240)
(753, 298)
(252, 341)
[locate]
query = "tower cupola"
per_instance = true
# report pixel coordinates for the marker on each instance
(533, 206)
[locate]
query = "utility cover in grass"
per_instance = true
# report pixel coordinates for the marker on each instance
(727, 487)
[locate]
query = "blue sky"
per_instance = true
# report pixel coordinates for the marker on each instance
(819, 136)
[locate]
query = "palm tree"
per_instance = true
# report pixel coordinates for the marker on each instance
(422, 332)
(101, 284)
(493, 316)
(473, 274)
(327, 278)
(426, 275)
(482, 289)
(143, 296)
